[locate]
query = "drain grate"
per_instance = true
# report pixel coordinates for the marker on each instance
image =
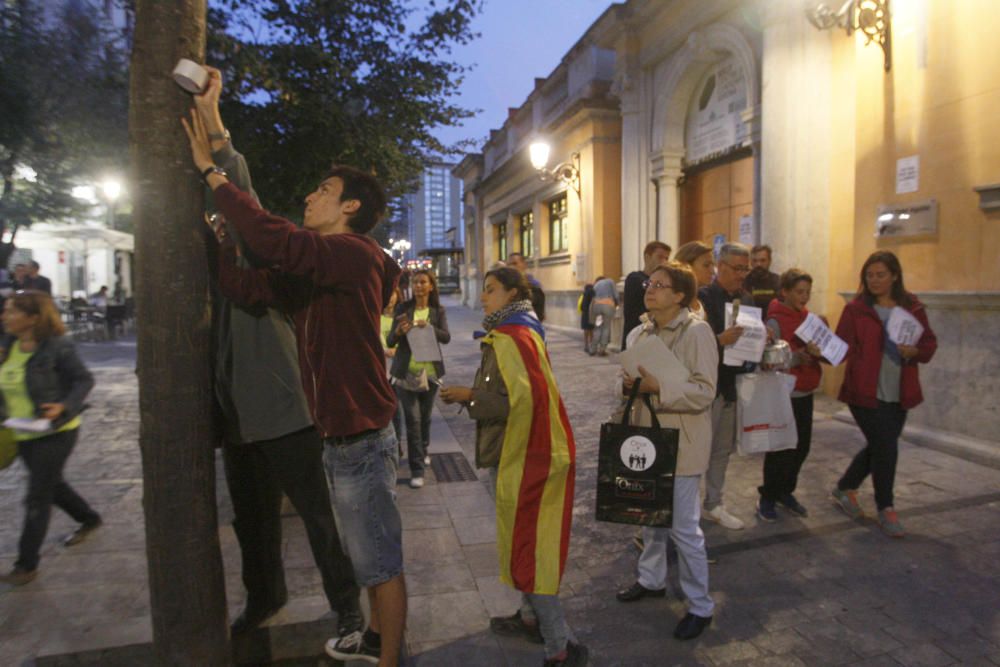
(452, 467)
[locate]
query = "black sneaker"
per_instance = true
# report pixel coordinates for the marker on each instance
(576, 656)
(766, 511)
(514, 626)
(352, 647)
(792, 505)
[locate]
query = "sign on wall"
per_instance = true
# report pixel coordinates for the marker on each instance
(915, 219)
(746, 229)
(907, 174)
(715, 123)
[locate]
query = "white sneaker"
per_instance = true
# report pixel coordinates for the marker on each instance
(418, 482)
(352, 647)
(427, 460)
(720, 516)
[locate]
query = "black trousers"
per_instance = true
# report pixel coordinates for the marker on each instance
(881, 427)
(417, 406)
(257, 474)
(45, 458)
(781, 469)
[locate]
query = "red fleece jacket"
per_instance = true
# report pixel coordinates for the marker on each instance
(334, 287)
(862, 330)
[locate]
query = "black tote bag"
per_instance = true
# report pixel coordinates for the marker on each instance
(635, 470)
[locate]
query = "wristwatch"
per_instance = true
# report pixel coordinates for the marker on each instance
(214, 169)
(219, 136)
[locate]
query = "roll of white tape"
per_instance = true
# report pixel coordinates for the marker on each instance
(190, 76)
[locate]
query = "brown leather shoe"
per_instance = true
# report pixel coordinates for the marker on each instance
(81, 533)
(19, 576)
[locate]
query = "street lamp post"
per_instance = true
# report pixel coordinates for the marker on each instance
(112, 189)
(568, 172)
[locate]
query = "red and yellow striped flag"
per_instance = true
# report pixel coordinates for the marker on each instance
(537, 465)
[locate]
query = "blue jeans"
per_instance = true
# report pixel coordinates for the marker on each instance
(362, 477)
(546, 610)
(417, 407)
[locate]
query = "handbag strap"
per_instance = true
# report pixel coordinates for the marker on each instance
(649, 406)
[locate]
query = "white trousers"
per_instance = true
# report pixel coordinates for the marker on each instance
(690, 543)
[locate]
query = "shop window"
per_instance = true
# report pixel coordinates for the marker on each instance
(558, 226)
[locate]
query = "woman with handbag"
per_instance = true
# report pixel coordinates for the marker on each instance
(41, 377)
(523, 436)
(781, 468)
(686, 406)
(417, 381)
(881, 382)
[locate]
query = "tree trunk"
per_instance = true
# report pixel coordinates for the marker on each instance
(186, 586)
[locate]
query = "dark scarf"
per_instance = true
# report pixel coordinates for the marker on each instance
(495, 318)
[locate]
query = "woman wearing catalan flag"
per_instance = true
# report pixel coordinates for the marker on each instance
(523, 436)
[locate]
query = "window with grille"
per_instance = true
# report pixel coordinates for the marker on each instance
(502, 241)
(558, 226)
(526, 230)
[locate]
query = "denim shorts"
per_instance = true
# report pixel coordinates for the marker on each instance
(362, 477)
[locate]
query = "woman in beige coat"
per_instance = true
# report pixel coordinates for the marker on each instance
(686, 406)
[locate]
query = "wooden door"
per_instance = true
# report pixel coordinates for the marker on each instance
(713, 200)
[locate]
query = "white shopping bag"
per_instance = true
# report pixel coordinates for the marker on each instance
(764, 417)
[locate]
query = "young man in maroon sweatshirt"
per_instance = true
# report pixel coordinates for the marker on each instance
(334, 281)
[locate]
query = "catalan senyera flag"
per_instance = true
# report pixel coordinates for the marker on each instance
(537, 465)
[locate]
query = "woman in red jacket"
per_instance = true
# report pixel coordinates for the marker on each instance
(781, 469)
(881, 383)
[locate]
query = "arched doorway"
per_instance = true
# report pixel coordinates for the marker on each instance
(705, 138)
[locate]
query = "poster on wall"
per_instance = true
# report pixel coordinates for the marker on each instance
(717, 242)
(746, 229)
(907, 174)
(714, 123)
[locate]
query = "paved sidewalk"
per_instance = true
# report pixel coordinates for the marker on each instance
(814, 591)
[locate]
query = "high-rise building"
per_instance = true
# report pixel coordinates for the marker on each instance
(431, 217)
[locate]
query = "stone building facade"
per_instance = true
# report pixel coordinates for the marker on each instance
(746, 120)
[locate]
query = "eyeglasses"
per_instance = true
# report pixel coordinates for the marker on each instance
(647, 284)
(737, 269)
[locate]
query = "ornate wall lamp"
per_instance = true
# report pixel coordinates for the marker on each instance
(871, 17)
(568, 172)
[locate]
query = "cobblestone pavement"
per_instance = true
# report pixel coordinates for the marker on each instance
(815, 591)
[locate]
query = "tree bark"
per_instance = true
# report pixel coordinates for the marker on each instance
(186, 585)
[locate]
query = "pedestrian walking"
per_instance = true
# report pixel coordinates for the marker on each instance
(270, 446)
(524, 438)
(686, 407)
(881, 383)
(781, 468)
(333, 280)
(41, 377)
(417, 382)
(633, 305)
(734, 263)
(583, 307)
(602, 310)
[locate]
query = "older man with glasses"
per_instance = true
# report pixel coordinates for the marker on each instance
(733, 266)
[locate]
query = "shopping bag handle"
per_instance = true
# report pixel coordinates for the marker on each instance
(649, 405)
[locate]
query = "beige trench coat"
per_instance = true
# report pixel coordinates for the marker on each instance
(688, 406)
